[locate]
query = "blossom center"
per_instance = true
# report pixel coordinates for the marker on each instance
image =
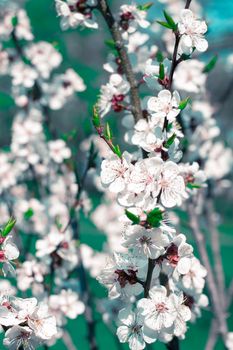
(126, 277)
(2, 255)
(161, 307)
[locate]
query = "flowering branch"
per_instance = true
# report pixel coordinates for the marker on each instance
(125, 61)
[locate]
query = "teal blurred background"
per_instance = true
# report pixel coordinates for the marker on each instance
(85, 52)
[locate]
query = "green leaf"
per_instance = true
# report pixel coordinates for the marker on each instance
(14, 21)
(192, 185)
(169, 127)
(164, 24)
(96, 117)
(170, 20)
(134, 218)
(161, 71)
(159, 56)
(8, 227)
(70, 135)
(145, 7)
(117, 151)
(110, 43)
(170, 141)
(184, 103)
(28, 214)
(108, 132)
(210, 65)
(185, 57)
(155, 217)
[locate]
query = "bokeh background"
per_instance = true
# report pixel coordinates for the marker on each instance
(86, 52)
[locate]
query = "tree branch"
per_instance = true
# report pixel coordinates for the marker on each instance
(213, 333)
(211, 283)
(211, 218)
(113, 26)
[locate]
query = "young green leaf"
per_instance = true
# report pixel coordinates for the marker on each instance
(210, 65)
(161, 71)
(28, 214)
(132, 217)
(117, 151)
(96, 117)
(155, 217)
(110, 43)
(14, 21)
(145, 7)
(192, 185)
(184, 103)
(159, 56)
(164, 24)
(170, 141)
(108, 132)
(170, 20)
(8, 227)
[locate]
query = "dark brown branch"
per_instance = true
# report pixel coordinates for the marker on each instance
(151, 265)
(125, 61)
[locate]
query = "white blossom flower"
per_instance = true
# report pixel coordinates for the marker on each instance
(8, 252)
(148, 242)
(131, 17)
(178, 256)
(115, 172)
(189, 76)
(144, 175)
(121, 275)
(59, 151)
(182, 312)
(147, 136)
(44, 57)
(192, 31)
(164, 106)
(113, 94)
(74, 13)
(23, 74)
(67, 302)
(20, 336)
(132, 331)
(194, 279)
(158, 309)
(170, 185)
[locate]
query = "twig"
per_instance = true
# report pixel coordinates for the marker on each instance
(212, 287)
(218, 267)
(213, 333)
(125, 61)
(86, 295)
(151, 265)
(67, 340)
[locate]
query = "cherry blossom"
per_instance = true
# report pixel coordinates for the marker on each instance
(192, 31)
(132, 330)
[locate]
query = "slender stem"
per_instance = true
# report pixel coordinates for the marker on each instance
(86, 295)
(125, 61)
(213, 290)
(213, 333)
(188, 2)
(151, 265)
(173, 344)
(67, 340)
(218, 267)
(175, 62)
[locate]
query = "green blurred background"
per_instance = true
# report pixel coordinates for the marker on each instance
(85, 52)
